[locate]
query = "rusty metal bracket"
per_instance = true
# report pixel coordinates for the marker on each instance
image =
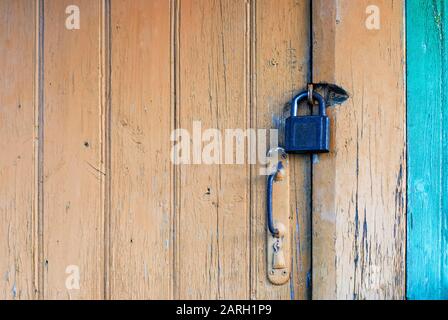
(332, 93)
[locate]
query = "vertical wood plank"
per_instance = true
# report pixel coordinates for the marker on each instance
(359, 188)
(281, 63)
(212, 258)
(141, 169)
(427, 156)
(17, 160)
(72, 176)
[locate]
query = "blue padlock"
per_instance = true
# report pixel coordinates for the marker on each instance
(307, 134)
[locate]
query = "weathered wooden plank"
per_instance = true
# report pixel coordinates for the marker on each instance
(141, 170)
(280, 68)
(18, 223)
(212, 227)
(359, 188)
(72, 148)
(427, 265)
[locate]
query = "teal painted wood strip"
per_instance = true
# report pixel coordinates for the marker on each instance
(427, 253)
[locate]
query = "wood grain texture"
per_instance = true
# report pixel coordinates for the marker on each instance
(359, 188)
(212, 228)
(137, 228)
(141, 265)
(280, 68)
(427, 263)
(105, 109)
(18, 223)
(72, 147)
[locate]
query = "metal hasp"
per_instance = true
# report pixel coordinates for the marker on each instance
(307, 134)
(278, 218)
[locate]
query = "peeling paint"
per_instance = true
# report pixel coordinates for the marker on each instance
(14, 291)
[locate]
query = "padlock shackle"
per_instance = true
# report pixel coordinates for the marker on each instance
(304, 96)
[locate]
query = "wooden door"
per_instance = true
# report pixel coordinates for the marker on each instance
(92, 205)
(359, 189)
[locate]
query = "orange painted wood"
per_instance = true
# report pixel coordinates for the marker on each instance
(72, 152)
(141, 203)
(213, 219)
(18, 224)
(110, 202)
(359, 188)
(280, 58)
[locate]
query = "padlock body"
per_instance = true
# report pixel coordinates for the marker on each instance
(307, 134)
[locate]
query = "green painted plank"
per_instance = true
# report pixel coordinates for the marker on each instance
(427, 257)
